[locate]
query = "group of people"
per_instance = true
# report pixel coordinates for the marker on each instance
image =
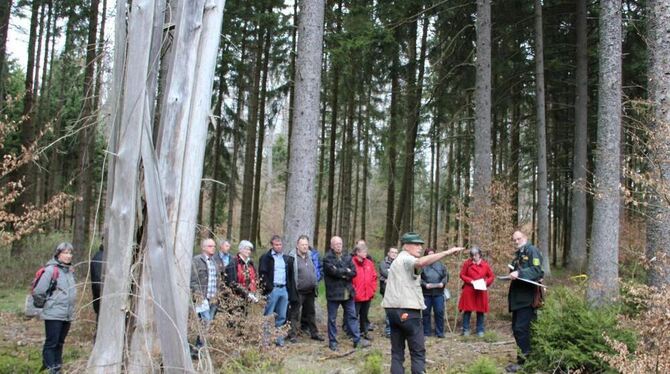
(412, 282)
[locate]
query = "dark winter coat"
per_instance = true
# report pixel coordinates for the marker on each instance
(339, 270)
(528, 261)
(384, 273)
(266, 272)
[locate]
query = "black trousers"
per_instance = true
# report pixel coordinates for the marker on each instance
(302, 311)
(52, 352)
(362, 311)
(407, 326)
(521, 321)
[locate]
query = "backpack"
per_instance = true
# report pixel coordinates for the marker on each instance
(38, 301)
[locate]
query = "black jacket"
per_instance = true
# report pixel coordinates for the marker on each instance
(338, 274)
(266, 272)
(528, 261)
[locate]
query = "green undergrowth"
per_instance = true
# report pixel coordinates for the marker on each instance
(482, 365)
(568, 334)
(28, 359)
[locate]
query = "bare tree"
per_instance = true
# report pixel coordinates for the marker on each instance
(172, 177)
(301, 193)
(603, 267)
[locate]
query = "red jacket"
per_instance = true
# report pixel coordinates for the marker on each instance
(365, 281)
(474, 300)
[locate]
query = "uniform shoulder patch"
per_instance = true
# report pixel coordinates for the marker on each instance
(536, 261)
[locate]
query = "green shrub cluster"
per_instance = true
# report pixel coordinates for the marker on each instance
(482, 365)
(568, 334)
(373, 362)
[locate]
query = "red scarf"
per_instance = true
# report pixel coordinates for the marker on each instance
(246, 275)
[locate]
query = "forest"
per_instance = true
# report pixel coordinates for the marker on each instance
(146, 126)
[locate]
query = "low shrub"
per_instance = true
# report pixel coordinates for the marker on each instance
(482, 365)
(373, 362)
(570, 335)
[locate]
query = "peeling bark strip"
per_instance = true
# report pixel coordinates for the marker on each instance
(172, 183)
(301, 193)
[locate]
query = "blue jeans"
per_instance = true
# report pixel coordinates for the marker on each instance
(350, 319)
(436, 303)
(205, 317)
(480, 321)
(277, 304)
(52, 353)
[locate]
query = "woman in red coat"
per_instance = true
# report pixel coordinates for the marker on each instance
(472, 300)
(365, 285)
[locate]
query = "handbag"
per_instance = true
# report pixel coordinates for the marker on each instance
(538, 297)
(29, 308)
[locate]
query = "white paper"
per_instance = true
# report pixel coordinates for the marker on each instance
(479, 284)
(202, 307)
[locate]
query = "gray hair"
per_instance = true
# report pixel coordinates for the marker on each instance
(64, 246)
(223, 241)
(245, 244)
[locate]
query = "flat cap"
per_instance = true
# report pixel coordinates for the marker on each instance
(411, 238)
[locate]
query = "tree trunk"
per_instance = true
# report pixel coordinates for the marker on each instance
(5, 14)
(414, 89)
(347, 160)
(480, 231)
(256, 214)
(107, 354)
(84, 180)
(603, 268)
(300, 196)
(333, 134)
(541, 138)
(232, 189)
(27, 131)
(246, 227)
(390, 230)
(658, 218)
(577, 254)
(291, 86)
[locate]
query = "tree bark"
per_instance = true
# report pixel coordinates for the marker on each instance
(84, 180)
(300, 196)
(255, 216)
(577, 252)
(5, 14)
(246, 227)
(333, 133)
(390, 230)
(480, 232)
(603, 267)
(658, 217)
(541, 138)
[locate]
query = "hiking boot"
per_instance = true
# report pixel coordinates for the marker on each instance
(465, 333)
(512, 368)
(332, 346)
(317, 337)
(363, 343)
(480, 334)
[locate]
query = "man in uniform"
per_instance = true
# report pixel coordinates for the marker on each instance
(403, 302)
(527, 264)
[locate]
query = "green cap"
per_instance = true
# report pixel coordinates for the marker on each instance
(411, 238)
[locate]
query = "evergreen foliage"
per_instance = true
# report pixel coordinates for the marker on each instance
(569, 335)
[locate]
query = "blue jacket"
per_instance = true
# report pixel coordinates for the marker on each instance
(317, 263)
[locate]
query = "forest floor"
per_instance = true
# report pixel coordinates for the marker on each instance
(22, 338)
